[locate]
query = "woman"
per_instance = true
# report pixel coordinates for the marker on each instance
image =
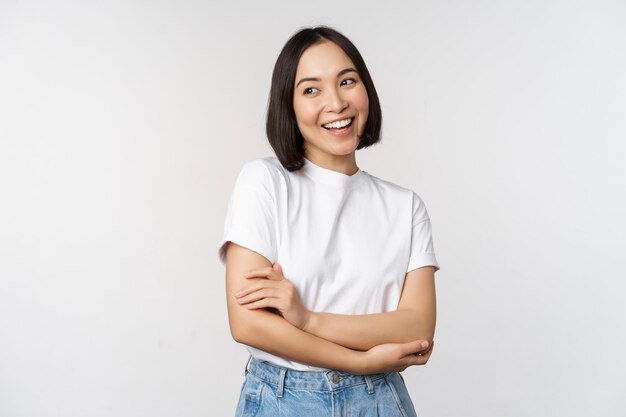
(329, 270)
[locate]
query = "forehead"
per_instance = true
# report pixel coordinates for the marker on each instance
(322, 59)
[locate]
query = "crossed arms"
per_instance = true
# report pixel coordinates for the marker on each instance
(360, 344)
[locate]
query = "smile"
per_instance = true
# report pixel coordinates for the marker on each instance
(340, 124)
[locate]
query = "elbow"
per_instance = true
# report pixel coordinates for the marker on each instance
(420, 335)
(239, 323)
(238, 332)
(421, 327)
(243, 330)
(236, 335)
(428, 333)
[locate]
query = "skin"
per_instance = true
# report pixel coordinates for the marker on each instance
(327, 89)
(272, 333)
(414, 319)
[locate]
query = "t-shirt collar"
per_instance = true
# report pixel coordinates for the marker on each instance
(330, 177)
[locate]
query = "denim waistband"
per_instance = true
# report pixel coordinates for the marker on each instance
(330, 380)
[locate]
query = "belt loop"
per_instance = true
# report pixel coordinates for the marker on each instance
(370, 384)
(245, 372)
(281, 382)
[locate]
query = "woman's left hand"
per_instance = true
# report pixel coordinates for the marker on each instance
(270, 289)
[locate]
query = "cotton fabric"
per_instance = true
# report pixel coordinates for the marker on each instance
(346, 242)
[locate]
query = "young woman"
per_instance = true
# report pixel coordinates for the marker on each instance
(329, 270)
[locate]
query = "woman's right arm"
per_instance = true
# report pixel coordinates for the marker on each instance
(273, 334)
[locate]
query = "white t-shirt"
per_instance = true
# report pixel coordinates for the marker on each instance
(345, 242)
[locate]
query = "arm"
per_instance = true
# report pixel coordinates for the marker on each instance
(413, 319)
(271, 333)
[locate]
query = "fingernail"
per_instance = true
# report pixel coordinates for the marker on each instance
(424, 344)
(238, 294)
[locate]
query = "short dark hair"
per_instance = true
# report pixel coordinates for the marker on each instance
(281, 126)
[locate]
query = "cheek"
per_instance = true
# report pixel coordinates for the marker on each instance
(362, 104)
(358, 98)
(306, 114)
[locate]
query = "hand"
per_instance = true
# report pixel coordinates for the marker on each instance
(270, 289)
(395, 356)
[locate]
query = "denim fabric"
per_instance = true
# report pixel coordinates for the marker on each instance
(272, 391)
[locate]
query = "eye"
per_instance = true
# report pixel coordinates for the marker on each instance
(310, 90)
(348, 81)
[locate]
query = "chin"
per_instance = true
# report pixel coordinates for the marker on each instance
(345, 150)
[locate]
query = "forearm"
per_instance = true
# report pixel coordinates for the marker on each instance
(271, 333)
(414, 319)
(362, 332)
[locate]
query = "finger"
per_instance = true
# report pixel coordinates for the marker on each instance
(426, 356)
(259, 272)
(416, 359)
(263, 303)
(257, 295)
(426, 351)
(420, 358)
(414, 347)
(277, 273)
(256, 285)
(267, 273)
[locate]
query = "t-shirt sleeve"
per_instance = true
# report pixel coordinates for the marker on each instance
(422, 251)
(251, 212)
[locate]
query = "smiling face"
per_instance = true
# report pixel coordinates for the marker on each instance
(331, 106)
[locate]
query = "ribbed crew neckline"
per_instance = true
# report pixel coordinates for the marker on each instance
(330, 177)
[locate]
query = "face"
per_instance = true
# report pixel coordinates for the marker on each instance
(330, 102)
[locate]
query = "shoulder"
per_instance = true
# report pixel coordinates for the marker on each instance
(266, 170)
(391, 188)
(262, 166)
(401, 193)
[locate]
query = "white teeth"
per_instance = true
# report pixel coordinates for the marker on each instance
(339, 124)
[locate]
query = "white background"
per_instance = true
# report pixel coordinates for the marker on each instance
(123, 125)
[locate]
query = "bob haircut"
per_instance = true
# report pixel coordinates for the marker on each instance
(281, 127)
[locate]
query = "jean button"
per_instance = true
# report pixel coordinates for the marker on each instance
(335, 378)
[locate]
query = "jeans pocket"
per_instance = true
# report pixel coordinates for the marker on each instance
(250, 397)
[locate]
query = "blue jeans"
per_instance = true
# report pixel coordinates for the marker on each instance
(272, 391)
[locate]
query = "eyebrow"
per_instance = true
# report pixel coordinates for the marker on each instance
(339, 74)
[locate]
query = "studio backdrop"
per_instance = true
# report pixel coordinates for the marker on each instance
(123, 126)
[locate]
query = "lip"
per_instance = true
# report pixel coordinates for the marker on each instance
(339, 120)
(340, 133)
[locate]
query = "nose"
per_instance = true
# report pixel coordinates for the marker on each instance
(336, 102)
